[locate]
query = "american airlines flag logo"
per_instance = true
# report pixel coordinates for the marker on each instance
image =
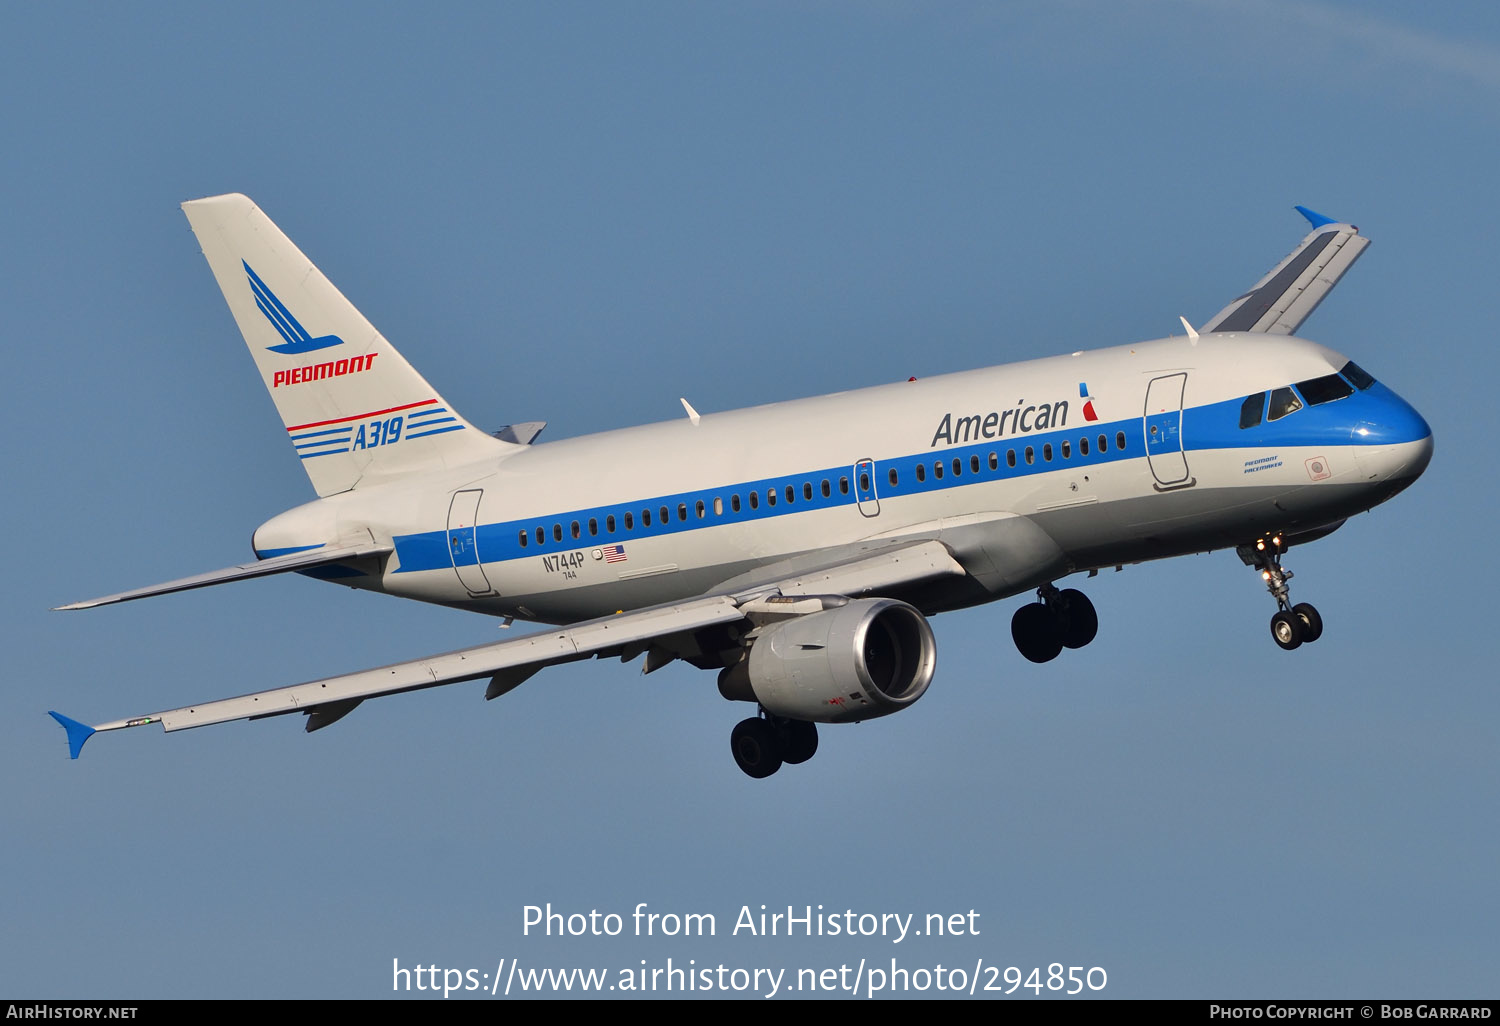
(614, 554)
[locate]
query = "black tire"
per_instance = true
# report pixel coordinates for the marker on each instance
(756, 747)
(801, 742)
(1036, 632)
(1312, 623)
(1286, 630)
(1080, 621)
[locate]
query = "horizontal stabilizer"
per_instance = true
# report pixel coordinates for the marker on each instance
(261, 568)
(520, 434)
(1287, 296)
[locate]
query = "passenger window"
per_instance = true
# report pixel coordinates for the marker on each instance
(1251, 410)
(1030, 456)
(770, 496)
(1357, 377)
(921, 472)
(791, 495)
(807, 490)
(1067, 449)
(557, 532)
(575, 530)
(864, 481)
(609, 523)
(541, 535)
(1283, 402)
(645, 518)
(700, 509)
(754, 501)
(994, 461)
(826, 490)
(525, 539)
(1010, 457)
(630, 519)
(1083, 446)
(682, 511)
(718, 506)
(958, 466)
(1119, 439)
(937, 469)
(895, 478)
(666, 515)
(843, 486)
(1326, 389)
(593, 527)
(1047, 452)
(1103, 444)
(974, 464)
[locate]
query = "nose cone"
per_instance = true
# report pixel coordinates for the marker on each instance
(1393, 443)
(1389, 420)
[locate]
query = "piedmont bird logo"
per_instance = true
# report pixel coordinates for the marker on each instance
(1088, 402)
(297, 339)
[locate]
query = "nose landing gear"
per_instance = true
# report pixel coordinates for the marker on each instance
(1292, 625)
(1062, 619)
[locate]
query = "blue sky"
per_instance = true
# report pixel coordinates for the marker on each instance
(580, 212)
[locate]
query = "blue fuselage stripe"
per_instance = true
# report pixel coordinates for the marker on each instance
(1211, 427)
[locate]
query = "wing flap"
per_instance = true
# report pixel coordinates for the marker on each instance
(261, 568)
(903, 565)
(1292, 290)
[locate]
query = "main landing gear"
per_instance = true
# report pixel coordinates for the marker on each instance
(1062, 619)
(1292, 625)
(762, 743)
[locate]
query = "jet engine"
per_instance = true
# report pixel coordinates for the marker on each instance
(858, 660)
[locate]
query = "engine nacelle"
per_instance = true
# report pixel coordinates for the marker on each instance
(866, 658)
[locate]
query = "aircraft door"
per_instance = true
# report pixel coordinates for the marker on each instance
(864, 488)
(1162, 425)
(463, 541)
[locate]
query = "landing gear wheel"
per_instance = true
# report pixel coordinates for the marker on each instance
(757, 748)
(1081, 622)
(1037, 633)
(801, 742)
(1312, 623)
(1286, 630)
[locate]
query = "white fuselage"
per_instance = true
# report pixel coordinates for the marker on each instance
(1028, 472)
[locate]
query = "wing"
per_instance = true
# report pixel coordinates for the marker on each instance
(1284, 298)
(261, 568)
(509, 663)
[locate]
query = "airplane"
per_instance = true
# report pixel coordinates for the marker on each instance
(798, 548)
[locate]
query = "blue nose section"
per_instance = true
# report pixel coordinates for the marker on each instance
(1390, 420)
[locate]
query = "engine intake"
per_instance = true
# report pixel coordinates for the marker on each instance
(866, 658)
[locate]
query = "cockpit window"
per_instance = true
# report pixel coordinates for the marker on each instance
(1326, 389)
(1251, 411)
(1283, 402)
(1356, 375)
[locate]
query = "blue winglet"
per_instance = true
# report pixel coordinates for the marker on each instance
(1314, 218)
(78, 733)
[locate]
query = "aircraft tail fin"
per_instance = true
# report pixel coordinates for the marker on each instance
(351, 404)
